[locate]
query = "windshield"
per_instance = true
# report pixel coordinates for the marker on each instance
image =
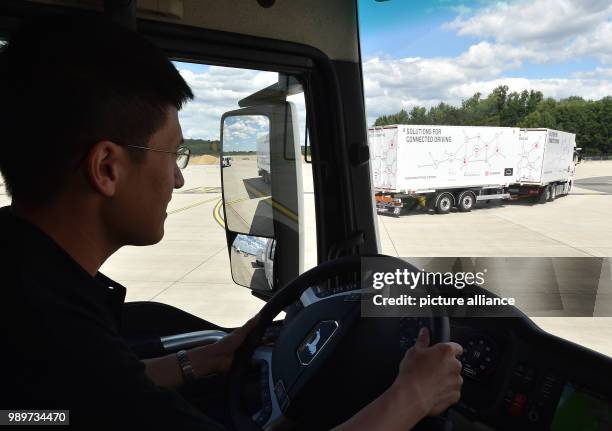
(514, 79)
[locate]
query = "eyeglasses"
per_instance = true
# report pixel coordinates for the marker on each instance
(182, 154)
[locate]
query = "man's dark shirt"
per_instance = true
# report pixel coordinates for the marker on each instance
(61, 346)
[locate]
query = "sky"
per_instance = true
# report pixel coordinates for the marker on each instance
(423, 52)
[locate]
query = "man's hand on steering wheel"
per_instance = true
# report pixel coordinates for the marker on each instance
(428, 383)
(218, 357)
(430, 377)
(224, 349)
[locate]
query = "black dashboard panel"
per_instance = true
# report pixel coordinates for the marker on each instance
(515, 376)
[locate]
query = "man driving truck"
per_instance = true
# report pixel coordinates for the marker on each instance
(91, 153)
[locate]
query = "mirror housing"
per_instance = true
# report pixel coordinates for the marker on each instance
(263, 197)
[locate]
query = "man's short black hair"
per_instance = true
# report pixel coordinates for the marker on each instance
(68, 83)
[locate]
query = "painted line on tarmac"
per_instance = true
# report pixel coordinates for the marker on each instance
(191, 206)
(287, 212)
(200, 190)
(217, 213)
(275, 204)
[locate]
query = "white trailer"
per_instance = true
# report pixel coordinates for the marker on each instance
(440, 167)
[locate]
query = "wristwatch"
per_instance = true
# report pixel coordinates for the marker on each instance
(185, 364)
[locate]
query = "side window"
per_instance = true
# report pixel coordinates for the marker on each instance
(479, 116)
(190, 267)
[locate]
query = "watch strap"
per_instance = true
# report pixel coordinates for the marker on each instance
(185, 364)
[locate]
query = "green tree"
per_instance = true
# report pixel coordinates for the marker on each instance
(591, 121)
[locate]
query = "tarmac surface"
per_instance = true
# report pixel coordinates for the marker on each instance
(190, 267)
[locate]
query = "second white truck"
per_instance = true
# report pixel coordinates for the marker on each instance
(441, 167)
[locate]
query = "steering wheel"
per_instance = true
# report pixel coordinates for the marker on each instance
(305, 343)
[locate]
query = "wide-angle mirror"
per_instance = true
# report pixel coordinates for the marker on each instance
(253, 261)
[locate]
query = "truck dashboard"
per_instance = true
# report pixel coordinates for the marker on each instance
(516, 376)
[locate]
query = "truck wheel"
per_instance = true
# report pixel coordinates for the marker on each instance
(409, 204)
(544, 195)
(467, 200)
(553, 193)
(444, 203)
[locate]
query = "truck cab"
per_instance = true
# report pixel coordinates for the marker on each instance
(294, 195)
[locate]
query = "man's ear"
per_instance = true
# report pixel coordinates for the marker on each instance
(104, 166)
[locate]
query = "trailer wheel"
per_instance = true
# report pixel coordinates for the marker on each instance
(467, 200)
(544, 195)
(553, 193)
(409, 204)
(444, 203)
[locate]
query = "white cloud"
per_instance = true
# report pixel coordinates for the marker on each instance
(394, 84)
(533, 21)
(426, 78)
(596, 43)
(217, 90)
(546, 30)
(242, 132)
(597, 73)
(557, 88)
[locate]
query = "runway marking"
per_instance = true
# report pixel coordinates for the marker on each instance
(235, 201)
(201, 190)
(217, 213)
(275, 204)
(192, 206)
(287, 212)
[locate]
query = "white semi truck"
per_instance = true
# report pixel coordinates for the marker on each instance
(441, 167)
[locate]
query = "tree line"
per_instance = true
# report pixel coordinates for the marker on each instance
(590, 120)
(200, 147)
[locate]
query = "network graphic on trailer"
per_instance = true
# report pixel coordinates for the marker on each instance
(414, 157)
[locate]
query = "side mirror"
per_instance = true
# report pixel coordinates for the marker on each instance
(578, 154)
(262, 195)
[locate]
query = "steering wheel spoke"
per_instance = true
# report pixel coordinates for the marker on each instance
(270, 416)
